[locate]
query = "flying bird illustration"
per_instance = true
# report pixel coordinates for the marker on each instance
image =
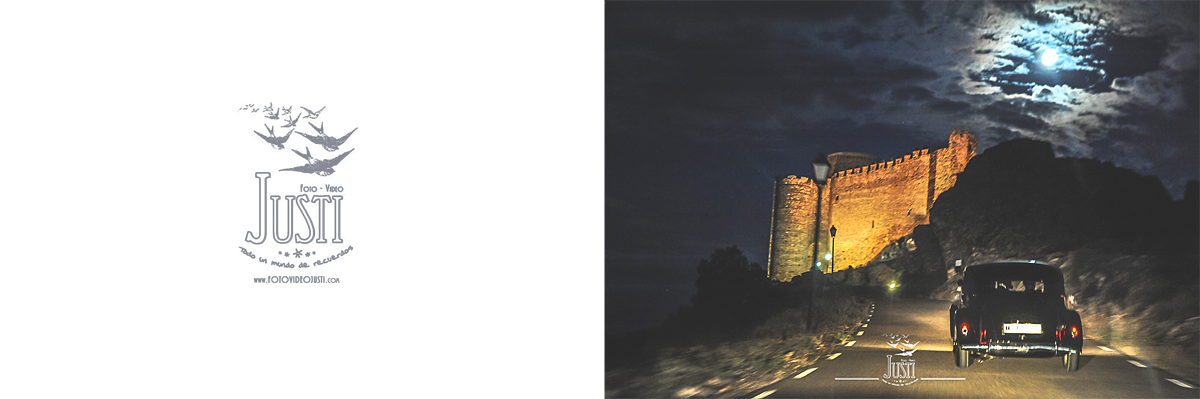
(307, 155)
(900, 342)
(276, 141)
(292, 122)
(286, 111)
(311, 114)
(321, 167)
(329, 143)
(270, 107)
(274, 116)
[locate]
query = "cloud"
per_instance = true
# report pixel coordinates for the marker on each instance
(945, 105)
(726, 72)
(1122, 84)
(911, 93)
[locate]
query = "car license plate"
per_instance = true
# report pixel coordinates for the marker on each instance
(1022, 328)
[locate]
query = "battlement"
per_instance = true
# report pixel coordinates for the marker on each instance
(872, 202)
(884, 165)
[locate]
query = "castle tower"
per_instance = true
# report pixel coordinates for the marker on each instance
(872, 202)
(792, 227)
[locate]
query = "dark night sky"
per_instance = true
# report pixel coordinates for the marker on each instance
(705, 103)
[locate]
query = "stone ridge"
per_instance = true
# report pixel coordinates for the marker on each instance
(871, 206)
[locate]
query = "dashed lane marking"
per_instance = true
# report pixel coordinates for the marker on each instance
(835, 355)
(1180, 383)
(805, 373)
(864, 326)
(1135, 363)
(764, 394)
(1104, 348)
(851, 343)
(859, 333)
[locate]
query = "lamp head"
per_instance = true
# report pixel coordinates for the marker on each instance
(820, 168)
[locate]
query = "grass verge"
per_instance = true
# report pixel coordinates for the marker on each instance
(765, 354)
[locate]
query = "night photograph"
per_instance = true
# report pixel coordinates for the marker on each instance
(901, 199)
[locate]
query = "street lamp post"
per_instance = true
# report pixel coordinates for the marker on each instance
(820, 173)
(832, 245)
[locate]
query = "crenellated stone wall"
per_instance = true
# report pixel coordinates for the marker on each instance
(870, 205)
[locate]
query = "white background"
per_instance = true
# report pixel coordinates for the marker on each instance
(473, 200)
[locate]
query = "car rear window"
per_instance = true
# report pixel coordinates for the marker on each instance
(1020, 285)
(1013, 277)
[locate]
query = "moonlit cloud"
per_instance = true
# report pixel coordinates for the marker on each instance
(1117, 69)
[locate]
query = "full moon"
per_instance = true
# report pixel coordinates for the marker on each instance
(1049, 57)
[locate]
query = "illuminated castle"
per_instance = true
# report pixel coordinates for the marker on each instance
(871, 202)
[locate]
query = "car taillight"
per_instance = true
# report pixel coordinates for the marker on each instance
(1074, 332)
(964, 329)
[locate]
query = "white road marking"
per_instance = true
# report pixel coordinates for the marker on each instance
(864, 326)
(764, 394)
(943, 379)
(835, 355)
(1135, 363)
(805, 373)
(1104, 348)
(859, 333)
(855, 379)
(851, 343)
(1180, 383)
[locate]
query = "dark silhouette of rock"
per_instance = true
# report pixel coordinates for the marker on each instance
(1017, 200)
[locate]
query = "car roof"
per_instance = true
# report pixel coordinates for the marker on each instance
(1009, 263)
(993, 271)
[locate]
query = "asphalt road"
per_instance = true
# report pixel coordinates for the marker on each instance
(861, 369)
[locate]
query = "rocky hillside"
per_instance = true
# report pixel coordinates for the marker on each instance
(1018, 200)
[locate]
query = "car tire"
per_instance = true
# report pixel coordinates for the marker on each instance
(1071, 361)
(962, 357)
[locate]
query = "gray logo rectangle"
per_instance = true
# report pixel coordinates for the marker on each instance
(297, 190)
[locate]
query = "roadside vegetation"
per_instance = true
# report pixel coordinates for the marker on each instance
(741, 332)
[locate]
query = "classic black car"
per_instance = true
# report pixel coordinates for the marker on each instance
(1014, 308)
